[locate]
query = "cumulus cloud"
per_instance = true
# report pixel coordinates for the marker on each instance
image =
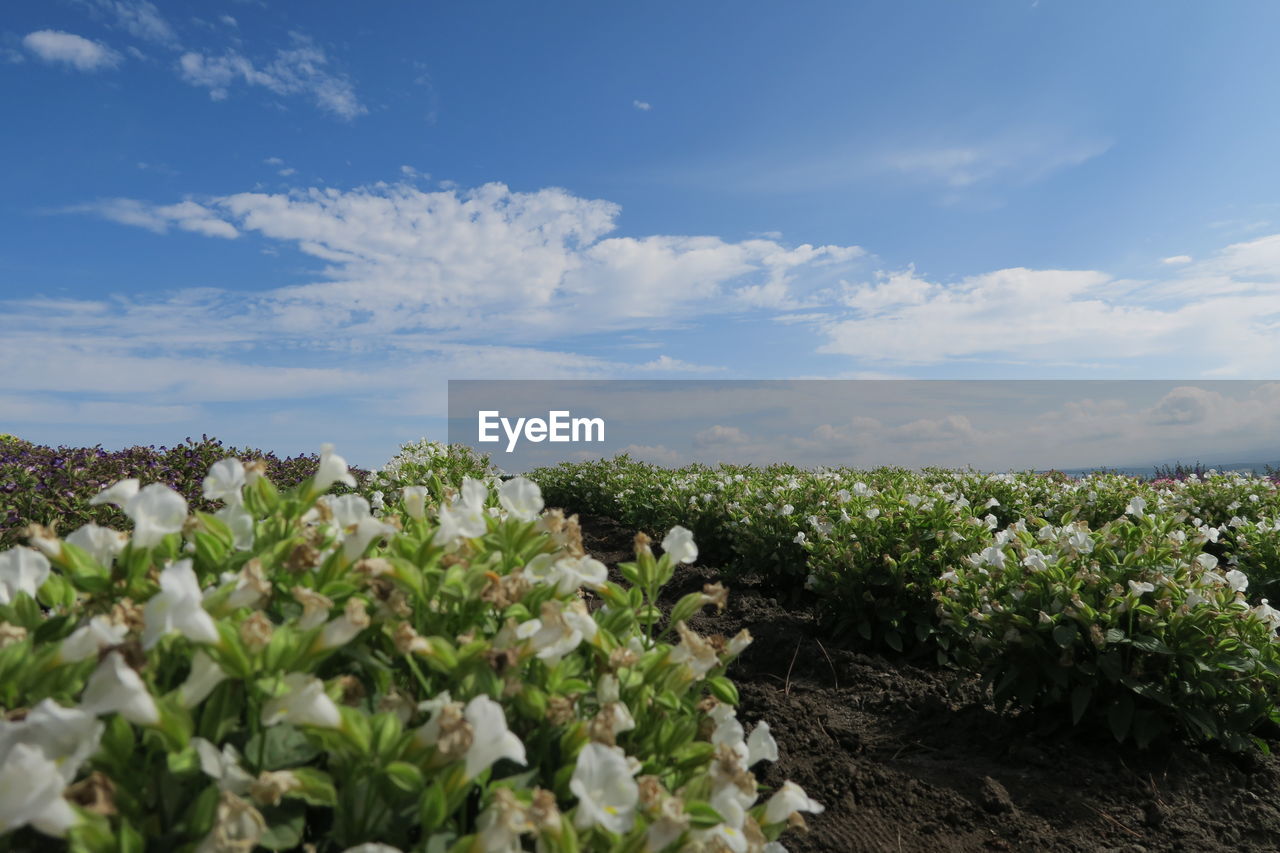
(398, 259)
(76, 51)
(300, 69)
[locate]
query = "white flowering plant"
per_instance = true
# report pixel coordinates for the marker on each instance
(1131, 625)
(294, 669)
(430, 471)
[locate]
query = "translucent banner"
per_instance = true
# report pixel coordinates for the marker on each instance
(992, 425)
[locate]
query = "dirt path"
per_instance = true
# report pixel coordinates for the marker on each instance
(908, 758)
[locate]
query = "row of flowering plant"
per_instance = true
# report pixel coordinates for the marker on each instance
(1141, 606)
(294, 669)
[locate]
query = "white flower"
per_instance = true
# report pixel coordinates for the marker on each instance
(799, 538)
(31, 793)
(223, 766)
(377, 501)
(238, 826)
(304, 703)
(694, 652)
(789, 799)
(66, 736)
(415, 501)
(115, 688)
(1035, 560)
(100, 543)
(993, 556)
(522, 498)
(177, 607)
(1140, 587)
(1080, 542)
(465, 517)
(502, 823)
(493, 740)
(1238, 580)
(1136, 506)
(761, 746)
(119, 494)
(157, 511)
(366, 531)
(344, 629)
(570, 573)
(787, 509)
(1268, 614)
(90, 638)
(679, 544)
(332, 469)
(21, 570)
(224, 482)
(242, 524)
(559, 630)
(607, 795)
(205, 676)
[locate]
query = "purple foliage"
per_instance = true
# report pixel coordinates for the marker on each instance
(53, 485)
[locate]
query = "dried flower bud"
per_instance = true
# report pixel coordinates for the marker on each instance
(256, 631)
(560, 711)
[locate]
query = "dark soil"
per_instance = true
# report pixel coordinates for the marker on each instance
(915, 758)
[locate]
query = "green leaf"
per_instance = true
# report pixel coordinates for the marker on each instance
(1080, 697)
(893, 640)
(1065, 634)
(286, 747)
(1154, 645)
(702, 815)
(285, 824)
(405, 776)
(317, 787)
(1120, 717)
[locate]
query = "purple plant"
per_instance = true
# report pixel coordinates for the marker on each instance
(52, 485)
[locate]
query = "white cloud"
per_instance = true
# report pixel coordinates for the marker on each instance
(667, 364)
(400, 260)
(141, 20)
(1020, 158)
(284, 173)
(274, 161)
(1177, 260)
(186, 215)
(297, 70)
(720, 435)
(228, 20)
(643, 106)
(74, 50)
(656, 454)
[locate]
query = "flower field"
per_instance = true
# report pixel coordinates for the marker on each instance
(433, 657)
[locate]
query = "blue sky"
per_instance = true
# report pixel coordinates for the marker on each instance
(290, 223)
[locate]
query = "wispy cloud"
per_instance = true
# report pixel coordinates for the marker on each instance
(643, 106)
(140, 19)
(964, 164)
(300, 69)
(56, 46)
